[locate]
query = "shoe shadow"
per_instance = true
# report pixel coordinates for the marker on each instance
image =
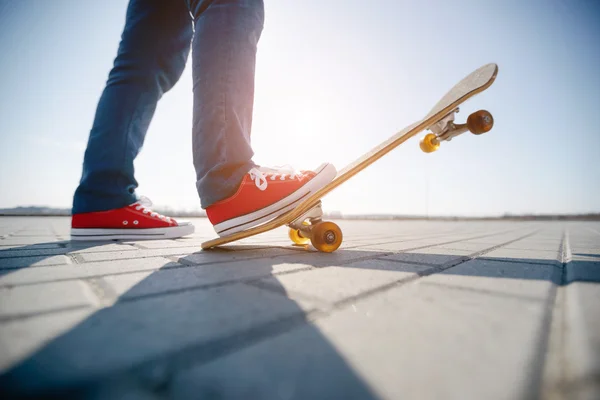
(221, 329)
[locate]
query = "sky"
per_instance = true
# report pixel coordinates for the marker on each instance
(334, 78)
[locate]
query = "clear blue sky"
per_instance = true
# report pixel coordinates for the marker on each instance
(334, 78)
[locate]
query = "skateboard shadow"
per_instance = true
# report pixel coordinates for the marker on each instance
(216, 331)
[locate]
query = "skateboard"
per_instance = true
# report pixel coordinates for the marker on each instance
(305, 221)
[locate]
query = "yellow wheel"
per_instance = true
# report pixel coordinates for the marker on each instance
(480, 122)
(326, 236)
(429, 143)
(295, 237)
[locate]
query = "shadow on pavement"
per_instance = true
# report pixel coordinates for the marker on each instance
(158, 341)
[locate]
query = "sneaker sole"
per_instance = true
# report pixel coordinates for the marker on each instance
(131, 234)
(322, 178)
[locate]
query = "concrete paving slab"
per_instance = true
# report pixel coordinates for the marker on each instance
(334, 284)
(37, 261)
(138, 253)
(583, 342)
(33, 275)
(398, 246)
(21, 338)
(471, 247)
(431, 256)
(528, 281)
(68, 248)
(27, 301)
(230, 254)
(130, 286)
(528, 256)
(583, 268)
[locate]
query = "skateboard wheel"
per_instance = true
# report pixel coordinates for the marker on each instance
(295, 236)
(480, 122)
(429, 143)
(326, 236)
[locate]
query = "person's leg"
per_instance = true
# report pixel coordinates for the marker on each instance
(152, 54)
(223, 59)
(236, 193)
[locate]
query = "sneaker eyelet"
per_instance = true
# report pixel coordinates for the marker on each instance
(125, 222)
(135, 222)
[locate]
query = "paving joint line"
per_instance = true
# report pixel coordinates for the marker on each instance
(205, 286)
(477, 254)
(538, 362)
(452, 241)
(484, 291)
(557, 312)
(138, 246)
(12, 269)
(557, 356)
(75, 258)
(49, 253)
(357, 259)
(33, 314)
(555, 298)
(418, 263)
(467, 258)
(593, 230)
(322, 305)
(566, 255)
(2, 285)
(105, 294)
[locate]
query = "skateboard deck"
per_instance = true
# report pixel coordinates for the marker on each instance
(306, 225)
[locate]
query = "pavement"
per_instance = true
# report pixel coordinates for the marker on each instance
(404, 309)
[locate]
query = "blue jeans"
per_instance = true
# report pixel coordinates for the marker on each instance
(152, 54)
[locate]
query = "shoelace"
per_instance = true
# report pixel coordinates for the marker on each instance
(145, 203)
(260, 175)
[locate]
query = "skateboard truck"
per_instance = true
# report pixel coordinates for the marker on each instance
(445, 129)
(313, 215)
(325, 236)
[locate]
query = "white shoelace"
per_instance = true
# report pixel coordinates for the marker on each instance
(144, 204)
(260, 175)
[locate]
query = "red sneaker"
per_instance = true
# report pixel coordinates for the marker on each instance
(134, 222)
(264, 194)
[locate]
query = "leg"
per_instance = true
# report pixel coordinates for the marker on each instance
(236, 193)
(151, 57)
(224, 56)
